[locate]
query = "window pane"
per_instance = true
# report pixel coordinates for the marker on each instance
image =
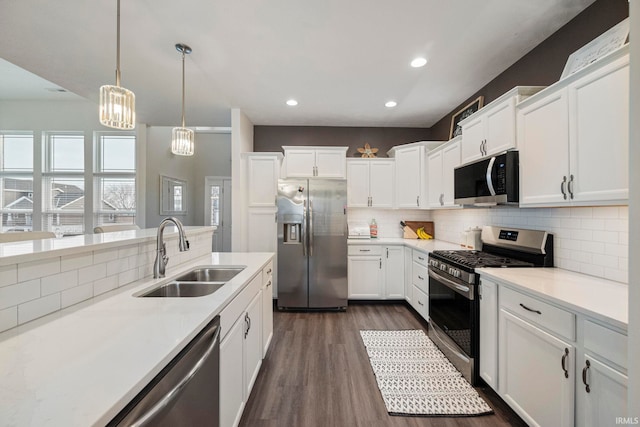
(215, 205)
(16, 203)
(116, 200)
(66, 152)
(117, 153)
(16, 152)
(63, 205)
(65, 223)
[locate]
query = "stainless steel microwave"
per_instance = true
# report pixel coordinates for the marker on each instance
(488, 182)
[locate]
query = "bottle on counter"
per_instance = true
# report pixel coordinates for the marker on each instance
(373, 229)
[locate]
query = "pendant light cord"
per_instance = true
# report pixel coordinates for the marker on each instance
(118, 46)
(182, 87)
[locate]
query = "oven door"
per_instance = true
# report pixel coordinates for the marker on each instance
(452, 310)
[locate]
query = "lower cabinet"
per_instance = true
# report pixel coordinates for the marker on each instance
(267, 307)
(232, 375)
(488, 336)
(408, 286)
(252, 343)
(376, 272)
(602, 393)
(420, 283)
(365, 276)
(393, 272)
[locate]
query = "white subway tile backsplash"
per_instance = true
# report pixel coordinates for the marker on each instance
(616, 274)
(59, 282)
(581, 212)
(127, 251)
(616, 225)
(8, 275)
(593, 224)
(92, 273)
(74, 262)
(117, 266)
(36, 269)
(104, 285)
(8, 318)
(623, 238)
(592, 247)
(19, 293)
(623, 212)
(617, 250)
(605, 236)
(592, 269)
(607, 212)
(76, 295)
(582, 234)
(105, 255)
(607, 261)
(38, 308)
(127, 277)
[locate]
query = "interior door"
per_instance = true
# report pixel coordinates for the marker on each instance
(218, 211)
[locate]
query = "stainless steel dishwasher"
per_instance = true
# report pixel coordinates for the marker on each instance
(185, 392)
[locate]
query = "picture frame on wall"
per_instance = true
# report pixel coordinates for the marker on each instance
(465, 112)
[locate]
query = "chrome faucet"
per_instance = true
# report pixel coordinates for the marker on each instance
(161, 249)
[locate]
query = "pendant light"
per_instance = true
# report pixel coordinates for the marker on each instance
(181, 137)
(117, 104)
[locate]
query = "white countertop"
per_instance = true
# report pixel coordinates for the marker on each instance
(595, 297)
(31, 250)
(82, 365)
(422, 245)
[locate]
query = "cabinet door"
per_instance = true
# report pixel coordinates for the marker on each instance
(267, 315)
(599, 134)
(253, 343)
(263, 180)
(450, 161)
(500, 127)
(365, 277)
(607, 396)
(434, 179)
(357, 183)
(543, 142)
(262, 230)
(300, 162)
(408, 262)
(381, 183)
(489, 332)
(232, 375)
(420, 302)
(394, 272)
(331, 163)
(408, 177)
(531, 373)
(473, 136)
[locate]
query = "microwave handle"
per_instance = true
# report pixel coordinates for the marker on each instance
(489, 179)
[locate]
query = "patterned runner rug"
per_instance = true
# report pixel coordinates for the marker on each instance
(415, 378)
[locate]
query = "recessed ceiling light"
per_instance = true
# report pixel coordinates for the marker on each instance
(390, 104)
(419, 62)
(292, 103)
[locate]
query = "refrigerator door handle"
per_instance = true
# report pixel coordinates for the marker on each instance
(304, 228)
(310, 228)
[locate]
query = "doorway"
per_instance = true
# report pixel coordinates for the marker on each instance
(217, 211)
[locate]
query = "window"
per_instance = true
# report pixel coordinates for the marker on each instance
(115, 178)
(63, 183)
(215, 205)
(16, 181)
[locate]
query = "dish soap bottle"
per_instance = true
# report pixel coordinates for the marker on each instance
(373, 229)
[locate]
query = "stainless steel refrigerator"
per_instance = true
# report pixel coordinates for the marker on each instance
(312, 244)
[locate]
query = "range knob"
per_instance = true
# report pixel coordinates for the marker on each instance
(443, 267)
(452, 271)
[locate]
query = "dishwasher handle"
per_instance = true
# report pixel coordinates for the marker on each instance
(149, 416)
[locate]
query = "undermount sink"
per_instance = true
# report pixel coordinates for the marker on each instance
(198, 282)
(210, 274)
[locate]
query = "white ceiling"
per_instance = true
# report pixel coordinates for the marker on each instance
(341, 59)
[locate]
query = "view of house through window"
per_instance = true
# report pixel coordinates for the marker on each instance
(16, 181)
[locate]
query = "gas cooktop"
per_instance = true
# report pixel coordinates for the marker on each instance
(479, 259)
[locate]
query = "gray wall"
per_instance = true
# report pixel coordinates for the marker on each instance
(212, 158)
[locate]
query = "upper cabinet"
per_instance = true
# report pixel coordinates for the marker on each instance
(370, 182)
(263, 170)
(411, 173)
(574, 138)
(492, 129)
(315, 162)
(440, 163)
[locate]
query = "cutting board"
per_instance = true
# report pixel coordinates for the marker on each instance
(412, 226)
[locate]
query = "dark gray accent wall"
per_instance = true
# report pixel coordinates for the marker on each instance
(272, 138)
(543, 65)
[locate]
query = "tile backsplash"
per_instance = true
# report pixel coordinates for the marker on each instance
(589, 240)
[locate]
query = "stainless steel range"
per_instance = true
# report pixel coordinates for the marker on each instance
(454, 310)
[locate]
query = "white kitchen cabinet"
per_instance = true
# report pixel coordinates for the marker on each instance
(420, 283)
(262, 229)
(267, 307)
(232, 375)
(420, 302)
(263, 171)
(365, 276)
(410, 168)
(408, 263)
(536, 373)
(574, 138)
(253, 343)
(607, 396)
(315, 162)
(441, 164)
(370, 182)
(492, 129)
(489, 332)
(393, 272)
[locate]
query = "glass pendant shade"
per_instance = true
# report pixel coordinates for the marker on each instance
(182, 141)
(117, 107)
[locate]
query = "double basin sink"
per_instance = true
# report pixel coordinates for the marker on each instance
(198, 282)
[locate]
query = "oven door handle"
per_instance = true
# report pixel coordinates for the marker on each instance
(464, 290)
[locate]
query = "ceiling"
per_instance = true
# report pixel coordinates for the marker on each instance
(342, 60)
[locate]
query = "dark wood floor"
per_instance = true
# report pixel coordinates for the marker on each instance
(317, 373)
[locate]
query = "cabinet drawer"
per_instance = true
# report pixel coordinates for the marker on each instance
(267, 272)
(420, 278)
(605, 342)
(235, 308)
(420, 258)
(365, 250)
(553, 318)
(421, 302)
